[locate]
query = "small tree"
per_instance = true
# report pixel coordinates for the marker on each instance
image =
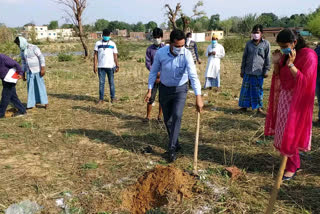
(151, 25)
(247, 22)
(226, 25)
(75, 9)
(33, 35)
(53, 25)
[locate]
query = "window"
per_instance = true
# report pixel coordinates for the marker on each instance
(220, 34)
(41, 34)
(54, 34)
(49, 34)
(40, 28)
(36, 28)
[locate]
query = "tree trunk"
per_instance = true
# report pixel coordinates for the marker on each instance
(82, 38)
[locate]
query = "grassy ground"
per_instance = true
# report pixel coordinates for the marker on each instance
(94, 152)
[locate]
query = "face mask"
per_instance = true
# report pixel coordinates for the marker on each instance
(286, 51)
(177, 51)
(157, 41)
(256, 36)
(106, 38)
(214, 42)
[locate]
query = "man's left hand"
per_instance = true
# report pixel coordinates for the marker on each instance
(265, 76)
(117, 68)
(42, 72)
(199, 103)
(199, 62)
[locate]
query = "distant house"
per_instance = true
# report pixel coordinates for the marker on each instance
(199, 37)
(43, 33)
(138, 35)
(272, 32)
(218, 33)
(120, 33)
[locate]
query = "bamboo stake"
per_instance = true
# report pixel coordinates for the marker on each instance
(195, 160)
(276, 186)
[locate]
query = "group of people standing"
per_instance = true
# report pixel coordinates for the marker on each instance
(32, 71)
(173, 66)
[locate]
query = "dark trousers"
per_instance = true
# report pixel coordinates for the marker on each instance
(9, 94)
(172, 101)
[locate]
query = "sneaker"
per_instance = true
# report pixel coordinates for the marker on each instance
(285, 178)
(20, 114)
(114, 100)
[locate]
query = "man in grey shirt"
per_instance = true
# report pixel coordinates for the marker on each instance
(254, 68)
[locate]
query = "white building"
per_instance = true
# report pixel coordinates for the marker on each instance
(42, 32)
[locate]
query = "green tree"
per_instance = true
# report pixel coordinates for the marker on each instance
(313, 24)
(33, 35)
(247, 22)
(53, 25)
(226, 25)
(101, 24)
(139, 27)
(267, 19)
(150, 26)
(214, 22)
(65, 26)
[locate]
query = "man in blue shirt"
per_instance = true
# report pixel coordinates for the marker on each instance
(176, 66)
(317, 50)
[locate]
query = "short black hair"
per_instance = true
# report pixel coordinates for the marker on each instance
(106, 32)
(157, 32)
(177, 35)
(257, 27)
(188, 34)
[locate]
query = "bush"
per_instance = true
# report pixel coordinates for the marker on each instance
(201, 52)
(9, 49)
(62, 57)
(234, 45)
(123, 50)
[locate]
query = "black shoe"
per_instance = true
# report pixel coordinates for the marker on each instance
(172, 157)
(285, 178)
(179, 149)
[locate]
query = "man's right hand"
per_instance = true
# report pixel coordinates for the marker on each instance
(148, 96)
(199, 103)
(95, 70)
(213, 53)
(241, 75)
(158, 80)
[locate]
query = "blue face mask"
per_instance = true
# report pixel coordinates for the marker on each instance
(214, 42)
(106, 38)
(286, 51)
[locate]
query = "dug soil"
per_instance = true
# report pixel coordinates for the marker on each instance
(155, 187)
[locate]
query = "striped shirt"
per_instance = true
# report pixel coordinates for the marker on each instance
(33, 59)
(105, 53)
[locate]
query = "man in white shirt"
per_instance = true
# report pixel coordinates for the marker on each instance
(106, 56)
(215, 52)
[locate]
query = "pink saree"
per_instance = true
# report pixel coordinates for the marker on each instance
(298, 124)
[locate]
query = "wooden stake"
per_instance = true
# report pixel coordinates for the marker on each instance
(276, 186)
(195, 160)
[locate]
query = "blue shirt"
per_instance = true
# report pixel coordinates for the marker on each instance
(174, 70)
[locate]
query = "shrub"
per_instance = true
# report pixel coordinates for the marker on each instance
(123, 50)
(234, 44)
(63, 57)
(201, 52)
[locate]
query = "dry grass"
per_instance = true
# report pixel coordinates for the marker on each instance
(94, 151)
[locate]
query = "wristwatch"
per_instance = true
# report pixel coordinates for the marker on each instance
(291, 65)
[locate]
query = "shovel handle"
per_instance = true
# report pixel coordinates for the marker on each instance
(195, 159)
(276, 186)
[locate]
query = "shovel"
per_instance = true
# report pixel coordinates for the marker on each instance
(195, 159)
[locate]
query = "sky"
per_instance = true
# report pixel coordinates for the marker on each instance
(15, 13)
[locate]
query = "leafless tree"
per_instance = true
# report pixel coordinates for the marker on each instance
(172, 14)
(74, 9)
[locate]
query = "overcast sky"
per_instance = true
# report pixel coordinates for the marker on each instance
(19, 12)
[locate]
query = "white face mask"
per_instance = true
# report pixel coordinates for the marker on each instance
(177, 51)
(157, 41)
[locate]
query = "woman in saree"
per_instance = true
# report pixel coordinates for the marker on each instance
(289, 116)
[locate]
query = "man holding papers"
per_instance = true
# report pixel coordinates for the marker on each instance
(10, 72)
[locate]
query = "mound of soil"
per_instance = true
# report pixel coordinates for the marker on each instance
(154, 187)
